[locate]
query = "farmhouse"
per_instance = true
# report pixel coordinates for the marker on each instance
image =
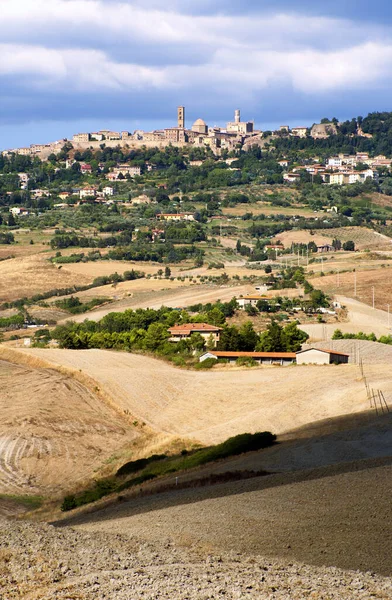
(181, 332)
(325, 248)
(251, 300)
(318, 356)
(263, 358)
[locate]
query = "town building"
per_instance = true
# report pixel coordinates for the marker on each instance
(301, 132)
(125, 170)
(181, 117)
(325, 248)
(200, 127)
(238, 126)
(81, 137)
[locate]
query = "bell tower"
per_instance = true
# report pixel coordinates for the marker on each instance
(181, 117)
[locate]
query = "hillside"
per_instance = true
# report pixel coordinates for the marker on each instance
(54, 432)
(212, 406)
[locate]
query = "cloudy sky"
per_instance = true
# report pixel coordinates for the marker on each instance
(81, 65)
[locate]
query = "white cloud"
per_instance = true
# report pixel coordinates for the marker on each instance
(308, 71)
(81, 46)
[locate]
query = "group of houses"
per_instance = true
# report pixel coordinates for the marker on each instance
(211, 334)
(341, 169)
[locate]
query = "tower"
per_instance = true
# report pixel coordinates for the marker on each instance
(181, 117)
(237, 116)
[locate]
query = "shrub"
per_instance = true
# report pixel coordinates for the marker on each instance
(137, 465)
(208, 363)
(245, 361)
(69, 503)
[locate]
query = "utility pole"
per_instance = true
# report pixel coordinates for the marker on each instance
(388, 305)
(355, 283)
(338, 278)
(373, 295)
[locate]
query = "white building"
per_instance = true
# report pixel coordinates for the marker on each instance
(108, 191)
(317, 356)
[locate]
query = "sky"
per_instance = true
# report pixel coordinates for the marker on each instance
(69, 66)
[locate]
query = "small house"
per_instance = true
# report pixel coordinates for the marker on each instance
(207, 331)
(250, 300)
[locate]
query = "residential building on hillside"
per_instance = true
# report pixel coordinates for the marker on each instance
(301, 132)
(207, 331)
(176, 216)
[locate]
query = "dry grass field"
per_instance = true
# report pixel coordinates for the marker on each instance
(211, 406)
(344, 285)
(33, 274)
(163, 294)
(54, 432)
(267, 209)
(364, 238)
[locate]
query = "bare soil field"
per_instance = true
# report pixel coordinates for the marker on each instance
(54, 433)
(336, 516)
(69, 563)
(303, 237)
(211, 406)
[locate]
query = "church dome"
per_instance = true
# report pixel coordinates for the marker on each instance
(200, 126)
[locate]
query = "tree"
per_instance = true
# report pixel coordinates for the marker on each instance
(197, 341)
(268, 269)
(294, 337)
(229, 339)
(216, 317)
(318, 299)
(337, 244)
(156, 336)
(167, 272)
(251, 310)
(272, 340)
(248, 337)
(11, 220)
(349, 246)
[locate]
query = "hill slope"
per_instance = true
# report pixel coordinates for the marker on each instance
(212, 406)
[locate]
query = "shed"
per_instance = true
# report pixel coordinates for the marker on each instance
(318, 356)
(263, 358)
